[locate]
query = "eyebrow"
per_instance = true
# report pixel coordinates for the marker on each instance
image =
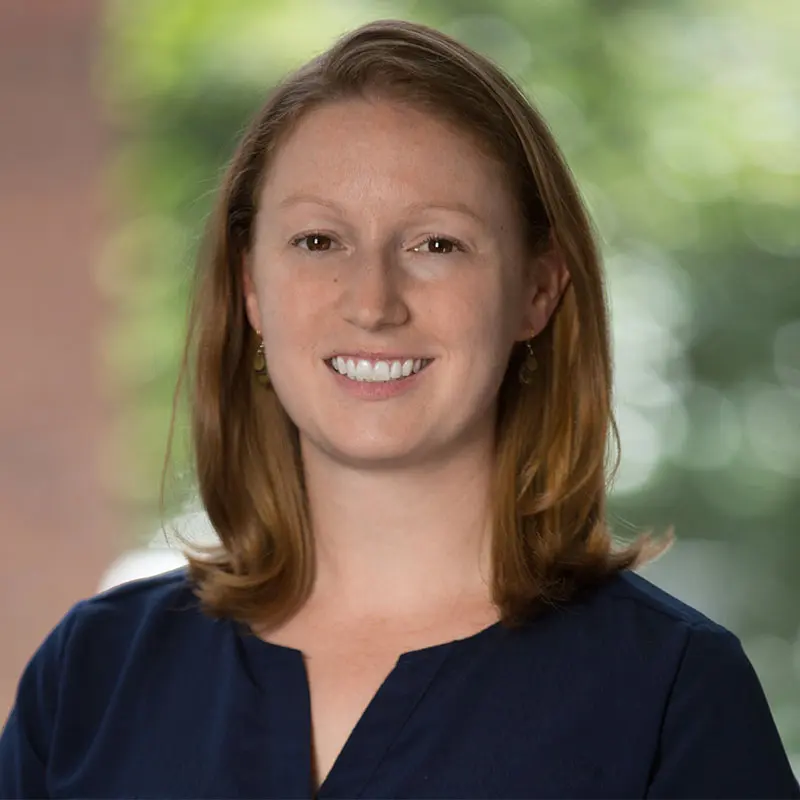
(297, 199)
(414, 208)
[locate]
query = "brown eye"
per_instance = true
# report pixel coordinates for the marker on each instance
(438, 245)
(315, 242)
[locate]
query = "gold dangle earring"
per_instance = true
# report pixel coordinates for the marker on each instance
(529, 366)
(260, 364)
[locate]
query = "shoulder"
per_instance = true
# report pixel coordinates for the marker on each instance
(631, 611)
(630, 594)
(107, 651)
(133, 606)
(118, 615)
(152, 626)
(155, 618)
(716, 735)
(635, 637)
(629, 614)
(643, 617)
(649, 625)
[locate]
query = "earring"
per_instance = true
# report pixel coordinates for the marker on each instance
(260, 365)
(529, 366)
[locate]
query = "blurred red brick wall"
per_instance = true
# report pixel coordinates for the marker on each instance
(57, 527)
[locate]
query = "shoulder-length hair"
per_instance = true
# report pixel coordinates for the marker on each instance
(550, 536)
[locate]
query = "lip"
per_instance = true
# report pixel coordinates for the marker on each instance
(371, 355)
(377, 390)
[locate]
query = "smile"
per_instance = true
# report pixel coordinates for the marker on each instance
(362, 369)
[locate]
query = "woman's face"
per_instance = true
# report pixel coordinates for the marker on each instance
(386, 241)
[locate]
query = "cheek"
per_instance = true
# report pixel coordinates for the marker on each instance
(479, 316)
(296, 315)
(289, 305)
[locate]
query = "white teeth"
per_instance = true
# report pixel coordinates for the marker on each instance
(363, 370)
(381, 371)
(377, 372)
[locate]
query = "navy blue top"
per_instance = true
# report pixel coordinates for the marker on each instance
(626, 693)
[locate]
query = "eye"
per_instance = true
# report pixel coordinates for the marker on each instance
(314, 242)
(439, 245)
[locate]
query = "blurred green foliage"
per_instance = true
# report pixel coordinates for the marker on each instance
(681, 121)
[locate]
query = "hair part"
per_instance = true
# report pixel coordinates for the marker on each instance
(550, 536)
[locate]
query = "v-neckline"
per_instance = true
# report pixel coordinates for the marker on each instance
(376, 729)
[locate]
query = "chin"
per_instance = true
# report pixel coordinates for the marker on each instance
(366, 452)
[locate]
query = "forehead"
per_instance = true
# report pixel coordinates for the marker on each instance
(383, 151)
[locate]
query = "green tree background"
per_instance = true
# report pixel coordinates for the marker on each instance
(681, 121)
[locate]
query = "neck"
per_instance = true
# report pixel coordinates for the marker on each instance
(401, 542)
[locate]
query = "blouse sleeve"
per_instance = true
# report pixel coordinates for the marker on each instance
(718, 737)
(26, 736)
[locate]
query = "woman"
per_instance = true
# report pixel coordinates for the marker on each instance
(400, 387)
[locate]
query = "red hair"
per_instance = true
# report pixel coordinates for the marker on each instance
(550, 537)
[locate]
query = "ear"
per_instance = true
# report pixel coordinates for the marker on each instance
(548, 279)
(250, 295)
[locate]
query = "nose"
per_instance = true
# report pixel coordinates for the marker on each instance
(372, 298)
